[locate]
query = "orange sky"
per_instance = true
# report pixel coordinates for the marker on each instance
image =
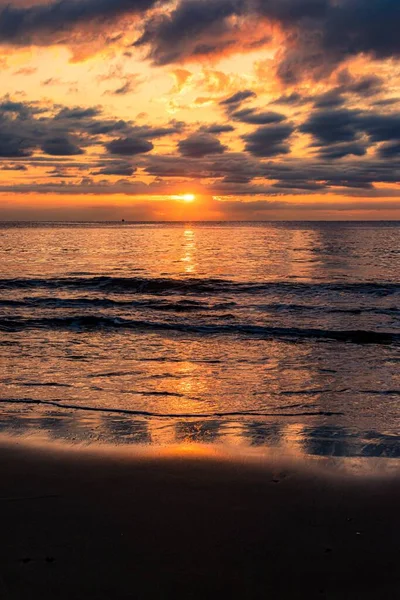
(116, 109)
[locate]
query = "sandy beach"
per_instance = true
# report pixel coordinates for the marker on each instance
(191, 523)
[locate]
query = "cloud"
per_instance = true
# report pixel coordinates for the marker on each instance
(50, 21)
(13, 145)
(13, 167)
(292, 99)
(125, 88)
(340, 132)
(78, 113)
(332, 126)
(153, 132)
(310, 37)
(390, 150)
(216, 128)
(365, 86)
(270, 140)
(227, 164)
(319, 34)
(122, 169)
(194, 29)
(381, 127)
(300, 175)
(335, 151)
(330, 99)
(199, 145)
(129, 146)
(254, 117)
(238, 98)
(26, 128)
(350, 149)
(60, 146)
(127, 83)
(362, 87)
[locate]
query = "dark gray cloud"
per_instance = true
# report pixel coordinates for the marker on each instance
(60, 173)
(194, 28)
(122, 169)
(200, 144)
(270, 140)
(294, 175)
(20, 108)
(390, 150)
(365, 86)
(335, 151)
(342, 132)
(13, 167)
(332, 126)
(252, 116)
(361, 87)
(238, 98)
(381, 127)
(386, 102)
(348, 88)
(325, 32)
(292, 99)
(31, 135)
(26, 128)
(320, 33)
(217, 129)
(60, 146)
(77, 113)
(129, 146)
(331, 99)
(151, 132)
(40, 23)
(13, 145)
(228, 165)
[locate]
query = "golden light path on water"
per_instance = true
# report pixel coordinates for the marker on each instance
(195, 333)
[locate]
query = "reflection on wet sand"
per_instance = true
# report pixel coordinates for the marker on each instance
(294, 438)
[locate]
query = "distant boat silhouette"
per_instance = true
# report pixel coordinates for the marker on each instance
(123, 220)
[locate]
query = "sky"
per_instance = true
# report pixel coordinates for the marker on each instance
(199, 110)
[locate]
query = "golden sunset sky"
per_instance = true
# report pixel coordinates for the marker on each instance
(260, 109)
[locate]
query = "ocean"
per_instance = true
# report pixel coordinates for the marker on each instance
(283, 336)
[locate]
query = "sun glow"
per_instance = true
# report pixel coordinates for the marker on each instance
(185, 197)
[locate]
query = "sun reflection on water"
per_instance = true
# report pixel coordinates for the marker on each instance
(189, 251)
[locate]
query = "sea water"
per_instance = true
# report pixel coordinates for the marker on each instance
(275, 335)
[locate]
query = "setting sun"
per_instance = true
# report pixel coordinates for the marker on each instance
(185, 197)
(188, 197)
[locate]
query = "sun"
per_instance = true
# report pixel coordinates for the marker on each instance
(184, 197)
(188, 197)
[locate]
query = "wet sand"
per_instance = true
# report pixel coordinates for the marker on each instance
(115, 524)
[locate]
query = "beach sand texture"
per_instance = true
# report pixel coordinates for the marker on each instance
(85, 523)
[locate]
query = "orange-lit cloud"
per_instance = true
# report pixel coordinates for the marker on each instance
(274, 108)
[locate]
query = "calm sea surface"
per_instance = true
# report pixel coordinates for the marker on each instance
(283, 335)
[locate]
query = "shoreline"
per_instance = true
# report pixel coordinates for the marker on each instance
(191, 522)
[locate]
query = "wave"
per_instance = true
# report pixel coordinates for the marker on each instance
(144, 413)
(158, 304)
(298, 308)
(86, 322)
(149, 285)
(187, 306)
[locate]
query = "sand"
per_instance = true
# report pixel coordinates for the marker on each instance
(84, 523)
